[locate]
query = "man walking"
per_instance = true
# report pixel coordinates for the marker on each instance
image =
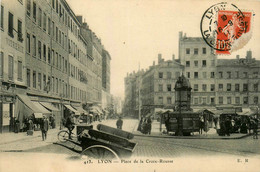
(44, 128)
(119, 123)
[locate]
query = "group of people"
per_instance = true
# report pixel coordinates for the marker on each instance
(145, 125)
(238, 124)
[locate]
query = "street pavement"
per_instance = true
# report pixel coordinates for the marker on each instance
(148, 146)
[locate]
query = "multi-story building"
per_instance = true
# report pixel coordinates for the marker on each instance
(12, 59)
(200, 68)
(47, 63)
(215, 82)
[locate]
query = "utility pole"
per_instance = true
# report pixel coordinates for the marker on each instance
(139, 95)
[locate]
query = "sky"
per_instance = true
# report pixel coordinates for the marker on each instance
(135, 31)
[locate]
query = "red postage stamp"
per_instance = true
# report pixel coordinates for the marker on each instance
(226, 28)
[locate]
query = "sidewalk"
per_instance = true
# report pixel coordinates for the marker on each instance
(211, 134)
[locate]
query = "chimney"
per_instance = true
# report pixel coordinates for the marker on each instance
(85, 25)
(237, 57)
(153, 63)
(249, 54)
(159, 58)
(180, 35)
(184, 35)
(173, 57)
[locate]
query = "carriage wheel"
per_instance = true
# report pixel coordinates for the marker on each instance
(63, 136)
(99, 152)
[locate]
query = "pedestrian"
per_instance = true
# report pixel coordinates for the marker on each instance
(140, 124)
(255, 127)
(201, 124)
(149, 125)
(228, 126)
(119, 123)
(44, 128)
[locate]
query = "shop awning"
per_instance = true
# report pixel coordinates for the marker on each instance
(247, 112)
(41, 108)
(26, 100)
(38, 115)
(80, 110)
(72, 109)
(49, 106)
(96, 109)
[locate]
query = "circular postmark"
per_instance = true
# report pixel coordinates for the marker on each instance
(225, 28)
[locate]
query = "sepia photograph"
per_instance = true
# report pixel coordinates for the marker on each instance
(129, 85)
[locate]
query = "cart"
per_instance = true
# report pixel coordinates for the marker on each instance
(105, 142)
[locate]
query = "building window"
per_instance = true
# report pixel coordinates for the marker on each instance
(34, 46)
(34, 79)
(255, 74)
(40, 81)
(204, 63)
(44, 52)
(220, 74)
(10, 24)
(10, 67)
(204, 74)
(204, 87)
(160, 100)
(49, 26)
(160, 74)
(188, 74)
(228, 87)
(57, 6)
(44, 82)
(196, 87)
(2, 17)
(212, 74)
(245, 74)
(28, 7)
(237, 87)
(212, 87)
(28, 48)
(220, 87)
(160, 87)
(169, 75)
(20, 70)
(245, 87)
(204, 50)
(169, 87)
(49, 55)
(196, 75)
(196, 101)
(212, 100)
(245, 100)
(220, 100)
(28, 75)
(237, 99)
(237, 74)
(187, 51)
(187, 63)
(57, 34)
(40, 17)
(228, 75)
(39, 49)
(1, 64)
(212, 62)
(19, 30)
(196, 51)
(196, 63)
(255, 100)
(53, 29)
(34, 11)
(44, 21)
(204, 100)
(228, 100)
(169, 100)
(256, 87)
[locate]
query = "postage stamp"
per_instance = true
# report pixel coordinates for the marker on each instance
(226, 28)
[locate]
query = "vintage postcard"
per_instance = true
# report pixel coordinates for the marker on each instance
(129, 85)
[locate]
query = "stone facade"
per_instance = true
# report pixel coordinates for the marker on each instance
(214, 82)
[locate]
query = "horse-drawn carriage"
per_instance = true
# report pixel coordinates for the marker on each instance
(104, 143)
